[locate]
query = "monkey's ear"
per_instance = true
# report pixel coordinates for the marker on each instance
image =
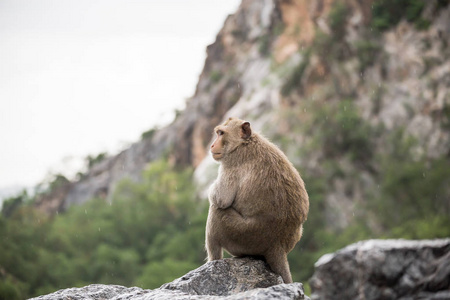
(246, 130)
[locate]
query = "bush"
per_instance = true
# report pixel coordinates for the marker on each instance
(11, 204)
(367, 52)
(215, 76)
(293, 82)
(156, 224)
(412, 189)
(8, 290)
(338, 19)
(388, 13)
(149, 133)
(407, 196)
(157, 273)
(91, 160)
(264, 45)
(340, 131)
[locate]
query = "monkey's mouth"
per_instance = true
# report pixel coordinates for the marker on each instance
(216, 155)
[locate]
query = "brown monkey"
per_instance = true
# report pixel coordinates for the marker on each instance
(258, 202)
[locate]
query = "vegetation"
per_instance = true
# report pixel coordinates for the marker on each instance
(11, 204)
(388, 13)
(149, 133)
(294, 80)
(91, 160)
(366, 51)
(408, 197)
(215, 76)
(151, 233)
(395, 189)
(264, 45)
(338, 18)
(343, 132)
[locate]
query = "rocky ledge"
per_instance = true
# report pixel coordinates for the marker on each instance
(385, 269)
(369, 270)
(232, 278)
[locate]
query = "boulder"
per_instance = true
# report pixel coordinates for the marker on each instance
(232, 278)
(385, 269)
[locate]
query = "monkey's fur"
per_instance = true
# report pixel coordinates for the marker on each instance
(258, 202)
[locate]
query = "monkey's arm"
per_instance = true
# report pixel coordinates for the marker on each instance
(222, 194)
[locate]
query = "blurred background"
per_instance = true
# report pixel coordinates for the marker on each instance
(90, 77)
(108, 107)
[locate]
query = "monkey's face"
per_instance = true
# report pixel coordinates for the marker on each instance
(217, 148)
(229, 136)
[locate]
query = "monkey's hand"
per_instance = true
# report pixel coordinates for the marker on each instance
(221, 196)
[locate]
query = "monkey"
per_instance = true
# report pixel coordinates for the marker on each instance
(258, 203)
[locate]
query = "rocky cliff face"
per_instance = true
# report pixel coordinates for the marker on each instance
(232, 73)
(276, 57)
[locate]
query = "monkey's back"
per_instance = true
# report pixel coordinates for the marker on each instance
(272, 192)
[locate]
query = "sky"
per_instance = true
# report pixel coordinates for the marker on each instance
(81, 77)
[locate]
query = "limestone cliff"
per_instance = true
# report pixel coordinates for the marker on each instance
(276, 57)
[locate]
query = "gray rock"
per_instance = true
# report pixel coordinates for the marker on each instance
(93, 291)
(232, 278)
(385, 269)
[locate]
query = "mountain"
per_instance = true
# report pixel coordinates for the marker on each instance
(356, 93)
(352, 91)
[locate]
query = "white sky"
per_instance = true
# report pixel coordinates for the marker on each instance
(80, 77)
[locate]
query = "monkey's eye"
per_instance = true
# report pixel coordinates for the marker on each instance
(220, 132)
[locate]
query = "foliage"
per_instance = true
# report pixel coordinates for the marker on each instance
(445, 120)
(408, 197)
(58, 181)
(215, 76)
(92, 160)
(337, 19)
(12, 203)
(412, 188)
(264, 45)
(149, 133)
(332, 45)
(387, 13)
(324, 45)
(294, 80)
(366, 51)
(151, 233)
(343, 132)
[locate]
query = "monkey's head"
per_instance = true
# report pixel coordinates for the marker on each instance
(230, 135)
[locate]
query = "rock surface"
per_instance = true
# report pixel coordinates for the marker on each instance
(233, 278)
(385, 269)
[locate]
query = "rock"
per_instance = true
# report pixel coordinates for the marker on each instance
(93, 291)
(385, 269)
(225, 277)
(232, 278)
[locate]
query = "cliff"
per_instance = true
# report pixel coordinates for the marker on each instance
(356, 93)
(232, 68)
(274, 63)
